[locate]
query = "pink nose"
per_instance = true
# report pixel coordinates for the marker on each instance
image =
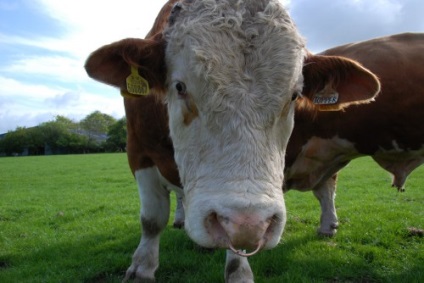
(240, 231)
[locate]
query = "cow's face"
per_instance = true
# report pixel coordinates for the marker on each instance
(231, 71)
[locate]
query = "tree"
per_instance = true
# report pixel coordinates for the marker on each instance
(35, 141)
(117, 136)
(61, 135)
(66, 122)
(94, 133)
(95, 126)
(97, 123)
(14, 143)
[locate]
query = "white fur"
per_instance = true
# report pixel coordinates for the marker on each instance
(241, 274)
(240, 72)
(154, 201)
(179, 210)
(326, 194)
(154, 197)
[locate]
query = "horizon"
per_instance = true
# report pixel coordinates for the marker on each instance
(44, 44)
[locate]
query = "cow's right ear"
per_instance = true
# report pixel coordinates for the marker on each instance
(113, 64)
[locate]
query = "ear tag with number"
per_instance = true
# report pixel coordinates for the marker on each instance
(136, 84)
(325, 99)
(326, 96)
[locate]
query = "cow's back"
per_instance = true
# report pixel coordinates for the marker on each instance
(391, 129)
(397, 115)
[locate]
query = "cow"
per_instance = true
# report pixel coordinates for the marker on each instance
(390, 130)
(216, 84)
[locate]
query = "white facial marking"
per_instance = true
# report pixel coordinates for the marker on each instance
(240, 63)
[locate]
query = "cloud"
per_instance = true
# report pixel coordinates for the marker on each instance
(16, 90)
(42, 75)
(65, 99)
(90, 24)
(328, 23)
(52, 67)
(25, 104)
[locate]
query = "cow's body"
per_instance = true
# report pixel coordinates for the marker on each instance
(390, 130)
(230, 72)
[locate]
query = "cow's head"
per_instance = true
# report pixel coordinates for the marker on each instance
(231, 72)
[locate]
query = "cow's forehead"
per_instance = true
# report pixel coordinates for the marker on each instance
(237, 41)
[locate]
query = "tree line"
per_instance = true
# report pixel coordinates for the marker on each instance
(97, 132)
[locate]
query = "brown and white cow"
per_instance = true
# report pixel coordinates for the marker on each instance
(229, 72)
(390, 130)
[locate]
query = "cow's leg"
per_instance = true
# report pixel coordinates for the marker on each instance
(237, 269)
(179, 216)
(154, 199)
(179, 211)
(325, 192)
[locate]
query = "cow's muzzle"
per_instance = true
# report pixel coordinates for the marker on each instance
(240, 232)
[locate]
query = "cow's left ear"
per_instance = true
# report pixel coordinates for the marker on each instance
(143, 58)
(332, 83)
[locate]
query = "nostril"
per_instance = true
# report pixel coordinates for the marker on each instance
(215, 229)
(273, 222)
(211, 220)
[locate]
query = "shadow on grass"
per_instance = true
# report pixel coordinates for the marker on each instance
(91, 258)
(4, 263)
(314, 259)
(104, 258)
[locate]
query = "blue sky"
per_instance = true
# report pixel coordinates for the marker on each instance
(44, 43)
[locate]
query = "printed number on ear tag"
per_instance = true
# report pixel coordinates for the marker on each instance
(325, 99)
(136, 84)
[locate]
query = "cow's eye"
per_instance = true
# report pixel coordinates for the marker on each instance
(181, 88)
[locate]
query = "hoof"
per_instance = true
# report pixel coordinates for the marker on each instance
(328, 230)
(131, 276)
(327, 233)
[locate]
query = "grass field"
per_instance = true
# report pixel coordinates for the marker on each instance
(75, 219)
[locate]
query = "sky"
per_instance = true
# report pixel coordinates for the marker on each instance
(44, 44)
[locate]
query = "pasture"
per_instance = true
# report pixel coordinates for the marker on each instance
(75, 219)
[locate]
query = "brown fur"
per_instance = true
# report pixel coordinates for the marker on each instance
(395, 115)
(341, 75)
(148, 134)
(149, 143)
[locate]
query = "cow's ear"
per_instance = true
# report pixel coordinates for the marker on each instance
(114, 63)
(332, 83)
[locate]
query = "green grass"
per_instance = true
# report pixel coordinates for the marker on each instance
(75, 219)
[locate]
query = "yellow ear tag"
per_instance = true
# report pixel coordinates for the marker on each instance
(126, 94)
(136, 84)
